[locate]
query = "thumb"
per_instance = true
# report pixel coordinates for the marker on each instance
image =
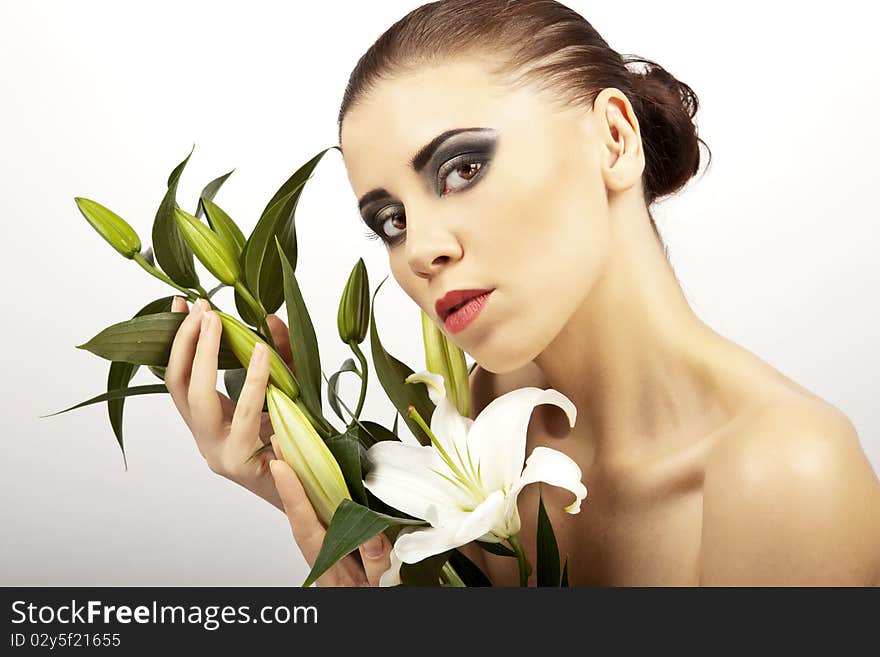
(281, 337)
(376, 557)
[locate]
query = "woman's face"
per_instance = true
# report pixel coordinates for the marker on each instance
(515, 203)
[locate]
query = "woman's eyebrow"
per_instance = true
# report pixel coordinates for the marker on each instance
(418, 161)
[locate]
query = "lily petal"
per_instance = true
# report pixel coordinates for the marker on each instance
(425, 543)
(451, 430)
(391, 577)
(463, 528)
(555, 468)
(405, 477)
(498, 435)
(435, 383)
(447, 424)
(481, 520)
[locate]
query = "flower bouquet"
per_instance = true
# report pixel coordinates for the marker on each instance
(457, 482)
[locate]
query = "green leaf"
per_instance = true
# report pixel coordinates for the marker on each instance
(564, 581)
(158, 371)
(209, 192)
(260, 263)
(333, 386)
(121, 374)
(391, 373)
(118, 378)
(265, 447)
(214, 290)
(116, 394)
(147, 340)
(394, 429)
(224, 227)
(425, 572)
(547, 548)
(347, 451)
(303, 341)
(256, 255)
(148, 255)
(496, 548)
(372, 433)
(351, 525)
(233, 380)
(172, 252)
(469, 572)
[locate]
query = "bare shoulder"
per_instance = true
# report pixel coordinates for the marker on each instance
(791, 500)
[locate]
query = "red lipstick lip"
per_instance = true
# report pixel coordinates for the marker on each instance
(444, 305)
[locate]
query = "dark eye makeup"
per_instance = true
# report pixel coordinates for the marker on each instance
(463, 153)
(469, 164)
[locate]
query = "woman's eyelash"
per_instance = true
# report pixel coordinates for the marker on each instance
(370, 234)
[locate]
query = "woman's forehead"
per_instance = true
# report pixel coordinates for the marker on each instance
(402, 114)
(422, 102)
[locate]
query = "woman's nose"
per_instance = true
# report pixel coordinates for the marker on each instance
(429, 246)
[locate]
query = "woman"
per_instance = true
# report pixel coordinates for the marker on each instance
(505, 147)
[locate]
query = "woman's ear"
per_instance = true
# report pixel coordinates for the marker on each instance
(622, 158)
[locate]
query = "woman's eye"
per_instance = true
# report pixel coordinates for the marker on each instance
(387, 221)
(459, 172)
(454, 175)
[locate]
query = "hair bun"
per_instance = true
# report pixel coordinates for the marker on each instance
(665, 108)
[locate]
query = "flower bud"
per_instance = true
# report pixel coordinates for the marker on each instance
(353, 318)
(110, 226)
(446, 359)
(242, 340)
(224, 227)
(308, 455)
(208, 247)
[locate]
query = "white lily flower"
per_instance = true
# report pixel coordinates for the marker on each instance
(466, 483)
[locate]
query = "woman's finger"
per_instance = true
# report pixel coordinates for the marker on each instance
(183, 347)
(247, 419)
(307, 529)
(376, 557)
(204, 401)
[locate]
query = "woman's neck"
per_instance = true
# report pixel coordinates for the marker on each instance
(639, 365)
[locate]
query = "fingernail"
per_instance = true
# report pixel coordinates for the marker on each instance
(203, 304)
(373, 547)
(206, 321)
(258, 353)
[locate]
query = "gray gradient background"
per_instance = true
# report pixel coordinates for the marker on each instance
(775, 246)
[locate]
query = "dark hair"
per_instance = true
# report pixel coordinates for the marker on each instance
(545, 43)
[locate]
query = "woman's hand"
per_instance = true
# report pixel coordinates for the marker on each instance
(226, 432)
(309, 534)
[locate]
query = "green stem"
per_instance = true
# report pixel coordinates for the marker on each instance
(258, 310)
(162, 276)
(267, 333)
(214, 290)
(450, 577)
(363, 362)
(315, 422)
(525, 568)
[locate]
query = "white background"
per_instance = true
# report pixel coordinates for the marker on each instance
(775, 246)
